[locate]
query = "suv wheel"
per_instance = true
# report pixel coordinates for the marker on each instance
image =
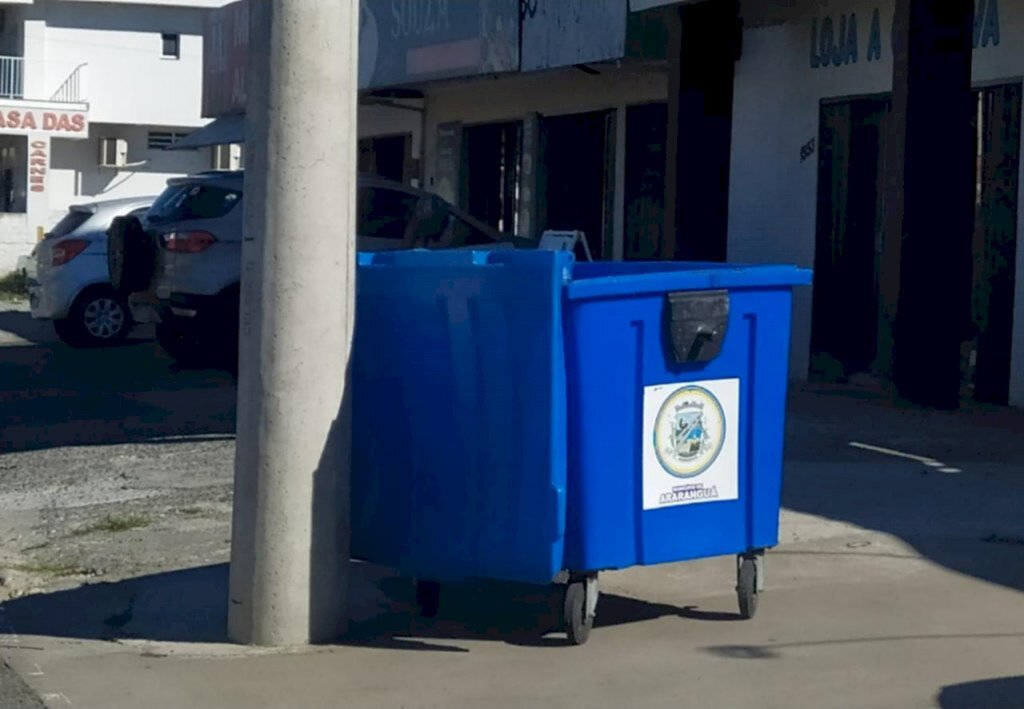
(98, 317)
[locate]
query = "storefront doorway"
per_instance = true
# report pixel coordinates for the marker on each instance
(646, 131)
(851, 332)
(578, 152)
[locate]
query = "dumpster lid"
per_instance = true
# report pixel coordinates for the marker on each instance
(601, 280)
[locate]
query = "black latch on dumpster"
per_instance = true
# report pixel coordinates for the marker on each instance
(696, 322)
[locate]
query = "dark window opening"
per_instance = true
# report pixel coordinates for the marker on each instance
(389, 157)
(491, 167)
(170, 46)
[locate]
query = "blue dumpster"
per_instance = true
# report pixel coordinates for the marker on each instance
(519, 415)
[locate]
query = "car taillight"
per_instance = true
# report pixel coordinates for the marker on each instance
(188, 242)
(67, 250)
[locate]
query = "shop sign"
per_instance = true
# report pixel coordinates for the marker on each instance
(38, 163)
(21, 120)
(838, 40)
(400, 42)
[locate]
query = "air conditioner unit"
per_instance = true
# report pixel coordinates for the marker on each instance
(113, 152)
(226, 157)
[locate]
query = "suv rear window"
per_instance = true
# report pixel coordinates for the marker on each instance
(71, 221)
(193, 201)
(384, 213)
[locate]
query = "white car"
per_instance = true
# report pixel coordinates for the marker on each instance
(69, 282)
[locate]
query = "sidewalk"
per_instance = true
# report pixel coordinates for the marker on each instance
(898, 583)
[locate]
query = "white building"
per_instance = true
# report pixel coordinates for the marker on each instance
(90, 93)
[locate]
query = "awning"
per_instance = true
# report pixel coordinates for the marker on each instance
(220, 131)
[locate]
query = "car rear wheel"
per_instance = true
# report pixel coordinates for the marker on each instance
(99, 317)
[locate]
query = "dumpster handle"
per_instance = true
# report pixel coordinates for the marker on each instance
(696, 323)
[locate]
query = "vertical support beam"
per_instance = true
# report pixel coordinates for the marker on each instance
(619, 204)
(529, 172)
(704, 40)
(931, 196)
(290, 532)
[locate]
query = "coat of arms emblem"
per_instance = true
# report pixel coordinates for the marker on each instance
(689, 431)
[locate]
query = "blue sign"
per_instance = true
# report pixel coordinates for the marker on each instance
(406, 41)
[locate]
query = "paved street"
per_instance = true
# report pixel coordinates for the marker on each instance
(899, 581)
(14, 693)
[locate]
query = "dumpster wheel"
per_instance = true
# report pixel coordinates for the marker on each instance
(428, 597)
(747, 585)
(579, 608)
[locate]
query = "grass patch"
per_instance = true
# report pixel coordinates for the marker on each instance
(50, 568)
(113, 523)
(192, 511)
(14, 286)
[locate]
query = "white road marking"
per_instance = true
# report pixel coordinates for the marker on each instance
(930, 462)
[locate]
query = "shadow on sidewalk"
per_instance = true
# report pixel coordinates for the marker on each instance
(53, 396)
(21, 324)
(1000, 692)
(190, 606)
(950, 484)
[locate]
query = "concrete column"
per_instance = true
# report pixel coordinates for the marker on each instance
(930, 198)
(290, 531)
(703, 48)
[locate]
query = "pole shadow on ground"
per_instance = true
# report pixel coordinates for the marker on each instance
(190, 606)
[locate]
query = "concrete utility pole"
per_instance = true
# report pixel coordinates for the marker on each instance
(290, 532)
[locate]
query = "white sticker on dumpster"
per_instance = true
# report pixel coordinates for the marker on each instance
(691, 443)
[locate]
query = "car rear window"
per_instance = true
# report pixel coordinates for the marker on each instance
(193, 201)
(71, 221)
(467, 234)
(384, 213)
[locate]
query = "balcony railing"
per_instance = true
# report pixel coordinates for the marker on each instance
(12, 83)
(71, 90)
(12, 77)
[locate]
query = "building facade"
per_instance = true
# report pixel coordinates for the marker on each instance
(812, 148)
(90, 95)
(754, 132)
